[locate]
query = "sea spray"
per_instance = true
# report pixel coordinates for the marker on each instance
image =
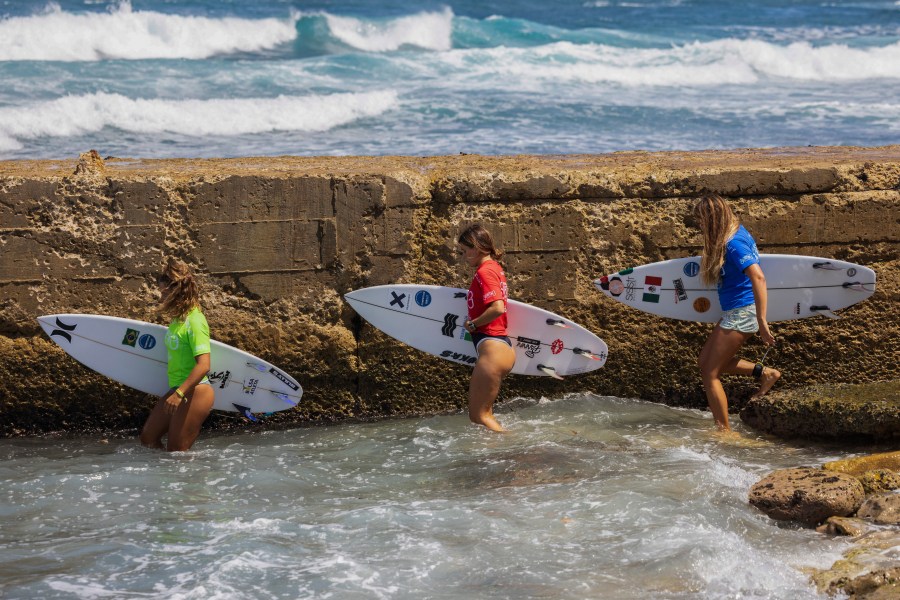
(586, 496)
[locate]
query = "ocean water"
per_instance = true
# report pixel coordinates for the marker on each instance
(586, 497)
(206, 78)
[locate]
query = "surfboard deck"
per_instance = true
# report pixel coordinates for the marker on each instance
(430, 318)
(134, 354)
(798, 287)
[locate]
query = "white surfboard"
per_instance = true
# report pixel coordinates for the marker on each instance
(430, 318)
(134, 354)
(798, 287)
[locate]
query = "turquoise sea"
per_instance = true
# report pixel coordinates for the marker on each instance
(166, 78)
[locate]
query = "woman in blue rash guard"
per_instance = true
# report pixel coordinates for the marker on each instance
(731, 261)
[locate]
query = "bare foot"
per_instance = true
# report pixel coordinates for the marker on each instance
(734, 438)
(490, 422)
(766, 381)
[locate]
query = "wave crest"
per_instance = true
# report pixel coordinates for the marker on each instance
(123, 33)
(77, 115)
(430, 31)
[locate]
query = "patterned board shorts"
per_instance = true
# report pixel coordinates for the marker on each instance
(742, 318)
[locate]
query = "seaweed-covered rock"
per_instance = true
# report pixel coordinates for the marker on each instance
(807, 495)
(859, 465)
(880, 480)
(869, 410)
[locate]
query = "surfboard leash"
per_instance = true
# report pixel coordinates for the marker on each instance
(758, 367)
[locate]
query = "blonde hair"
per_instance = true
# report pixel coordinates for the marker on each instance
(717, 224)
(185, 293)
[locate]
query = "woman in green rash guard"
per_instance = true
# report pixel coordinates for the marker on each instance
(180, 412)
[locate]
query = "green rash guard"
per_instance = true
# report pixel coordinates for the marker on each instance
(185, 340)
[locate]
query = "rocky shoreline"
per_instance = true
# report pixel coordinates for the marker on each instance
(858, 497)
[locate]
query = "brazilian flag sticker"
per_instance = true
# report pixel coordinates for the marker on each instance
(131, 337)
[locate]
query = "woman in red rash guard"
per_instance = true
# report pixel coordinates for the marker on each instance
(487, 299)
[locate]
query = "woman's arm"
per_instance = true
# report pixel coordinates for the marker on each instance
(494, 310)
(761, 299)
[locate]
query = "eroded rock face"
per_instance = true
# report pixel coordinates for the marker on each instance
(807, 495)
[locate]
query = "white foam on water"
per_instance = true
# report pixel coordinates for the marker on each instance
(718, 63)
(124, 33)
(76, 115)
(428, 30)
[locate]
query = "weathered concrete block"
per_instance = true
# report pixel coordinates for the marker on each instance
(399, 193)
(19, 200)
(260, 198)
(143, 201)
(758, 182)
(260, 246)
(392, 231)
(306, 286)
(544, 276)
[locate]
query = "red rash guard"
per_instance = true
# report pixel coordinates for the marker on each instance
(488, 286)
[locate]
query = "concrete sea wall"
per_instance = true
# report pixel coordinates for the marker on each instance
(277, 241)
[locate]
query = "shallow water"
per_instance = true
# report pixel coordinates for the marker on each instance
(587, 496)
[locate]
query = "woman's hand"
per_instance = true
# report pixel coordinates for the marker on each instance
(764, 333)
(173, 401)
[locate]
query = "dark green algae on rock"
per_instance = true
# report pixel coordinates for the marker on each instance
(869, 411)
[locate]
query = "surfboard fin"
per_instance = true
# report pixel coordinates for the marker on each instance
(854, 285)
(824, 311)
(284, 398)
(827, 266)
(586, 354)
(558, 323)
(246, 412)
(549, 371)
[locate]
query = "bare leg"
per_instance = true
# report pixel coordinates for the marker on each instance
(185, 425)
(157, 424)
(737, 366)
(717, 357)
(495, 361)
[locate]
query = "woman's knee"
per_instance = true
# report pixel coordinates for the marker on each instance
(147, 439)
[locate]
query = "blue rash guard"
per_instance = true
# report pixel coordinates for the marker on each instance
(735, 289)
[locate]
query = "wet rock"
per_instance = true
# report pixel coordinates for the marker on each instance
(867, 571)
(870, 410)
(883, 509)
(807, 495)
(843, 526)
